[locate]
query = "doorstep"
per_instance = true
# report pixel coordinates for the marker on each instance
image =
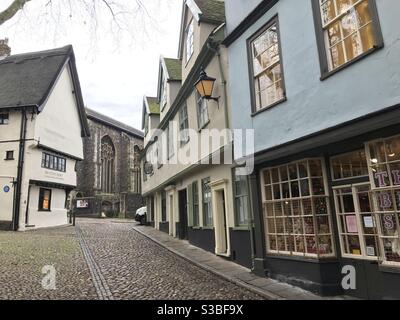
(268, 288)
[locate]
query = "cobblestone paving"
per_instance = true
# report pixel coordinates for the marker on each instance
(23, 255)
(137, 268)
(126, 263)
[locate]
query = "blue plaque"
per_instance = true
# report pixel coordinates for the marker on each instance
(6, 189)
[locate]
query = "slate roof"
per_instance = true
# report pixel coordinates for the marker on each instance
(153, 105)
(212, 10)
(27, 79)
(174, 68)
(94, 115)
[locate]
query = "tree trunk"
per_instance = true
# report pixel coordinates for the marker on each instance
(12, 10)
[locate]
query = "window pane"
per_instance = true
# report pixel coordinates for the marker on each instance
(328, 11)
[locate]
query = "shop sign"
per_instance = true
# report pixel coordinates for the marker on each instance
(82, 204)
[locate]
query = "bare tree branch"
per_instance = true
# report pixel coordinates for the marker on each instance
(12, 10)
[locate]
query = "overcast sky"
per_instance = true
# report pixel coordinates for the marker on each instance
(116, 68)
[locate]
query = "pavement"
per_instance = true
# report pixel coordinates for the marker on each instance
(268, 288)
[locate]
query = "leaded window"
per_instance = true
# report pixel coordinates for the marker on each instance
(107, 165)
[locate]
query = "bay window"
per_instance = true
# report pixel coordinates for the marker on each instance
(266, 67)
(296, 210)
(384, 170)
(346, 30)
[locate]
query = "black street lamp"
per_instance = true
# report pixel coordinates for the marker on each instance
(205, 86)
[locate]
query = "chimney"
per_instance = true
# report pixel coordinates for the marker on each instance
(5, 50)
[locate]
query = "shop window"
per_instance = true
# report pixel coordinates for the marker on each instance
(44, 199)
(346, 30)
(296, 210)
(384, 169)
(356, 222)
(351, 165)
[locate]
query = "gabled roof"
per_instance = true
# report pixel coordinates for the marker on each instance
(212, 11)
(153, 105)
(99, 117)
(174, 69)
(207, 11)
(27, 80)
(150, 107)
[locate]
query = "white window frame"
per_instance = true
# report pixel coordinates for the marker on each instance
(342, 155)
(374, 191)
(316, 235)
(358, 214)
(203, 116)
(189, 40)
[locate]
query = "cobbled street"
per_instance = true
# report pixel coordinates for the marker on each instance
(103, 259)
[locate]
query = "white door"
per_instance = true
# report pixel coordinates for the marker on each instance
(6, 198)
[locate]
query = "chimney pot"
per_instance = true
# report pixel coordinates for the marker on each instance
(5, 50)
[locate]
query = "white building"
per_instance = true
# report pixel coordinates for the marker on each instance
(42, 123)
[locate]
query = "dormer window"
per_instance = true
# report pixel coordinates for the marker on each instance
(189, 41)
(163, 94)
(4, 118)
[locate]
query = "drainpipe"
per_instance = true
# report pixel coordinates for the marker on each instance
(21, 155)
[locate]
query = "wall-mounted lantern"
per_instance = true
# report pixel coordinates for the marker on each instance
(205, 86)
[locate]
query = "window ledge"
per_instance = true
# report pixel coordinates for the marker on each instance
(9, 159)
(328, 74)
(255, 113)
(302, 259)
(389, 269)
(241, 228)
(204, 126)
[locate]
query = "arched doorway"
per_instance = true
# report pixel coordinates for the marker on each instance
(107, 165)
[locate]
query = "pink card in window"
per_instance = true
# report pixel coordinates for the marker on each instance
(351, 223)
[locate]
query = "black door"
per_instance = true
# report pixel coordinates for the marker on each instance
(183, 220)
